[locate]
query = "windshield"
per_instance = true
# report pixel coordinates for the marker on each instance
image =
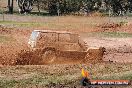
(34, 35)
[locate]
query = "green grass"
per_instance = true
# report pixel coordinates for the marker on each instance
(43, 81)
(70, 23)
(123, 76)
(127, 75)
(4, 39)
(21, 24)
(36, 81)
(30, 24)
(109, 34)
(65, 26)
(112, 71)
(39, 80)
(1, 11)
(49, 25)
(42, 76)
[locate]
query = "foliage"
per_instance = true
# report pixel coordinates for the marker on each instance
(61, 7)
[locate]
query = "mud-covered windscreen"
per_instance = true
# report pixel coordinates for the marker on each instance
(34, 35)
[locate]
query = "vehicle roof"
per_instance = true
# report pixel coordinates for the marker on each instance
(51, 31)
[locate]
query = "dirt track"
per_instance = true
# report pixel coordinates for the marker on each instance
(9, 48)
(117, 49)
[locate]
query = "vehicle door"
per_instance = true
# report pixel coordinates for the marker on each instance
(47, 39)
(68, 45)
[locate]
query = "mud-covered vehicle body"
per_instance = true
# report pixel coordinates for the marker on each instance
(53, 44)
(58, 40)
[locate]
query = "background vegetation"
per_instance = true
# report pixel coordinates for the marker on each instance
(76, 7)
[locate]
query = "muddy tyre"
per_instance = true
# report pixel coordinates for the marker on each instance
(48, 57)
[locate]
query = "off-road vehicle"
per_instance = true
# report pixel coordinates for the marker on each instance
(55, 44)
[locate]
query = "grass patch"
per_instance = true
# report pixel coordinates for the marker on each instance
(117, 76)
(31, 76)
(21, 24)
(39, 80)
(109, 34)
(4, 39)
(49, 25)
(43, 81)
(7, 83)
(111, 71)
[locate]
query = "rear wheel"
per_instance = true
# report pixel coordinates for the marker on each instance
(48, 57)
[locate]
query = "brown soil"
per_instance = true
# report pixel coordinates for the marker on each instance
(10, 49)
(110, 27)
(17, 52)
(117, 49)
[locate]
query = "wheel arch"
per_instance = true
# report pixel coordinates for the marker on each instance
(48, 48)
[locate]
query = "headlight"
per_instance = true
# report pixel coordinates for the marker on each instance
(32, 43)
(29, 42)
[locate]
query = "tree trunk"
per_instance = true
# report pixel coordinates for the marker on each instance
(10, 6)
(38, 5)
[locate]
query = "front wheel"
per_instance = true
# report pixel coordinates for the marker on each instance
(48, 57)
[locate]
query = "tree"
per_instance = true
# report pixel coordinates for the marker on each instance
(54, 7)
(130, 5)
(25, 6)
(10, 6)
(119, 7)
